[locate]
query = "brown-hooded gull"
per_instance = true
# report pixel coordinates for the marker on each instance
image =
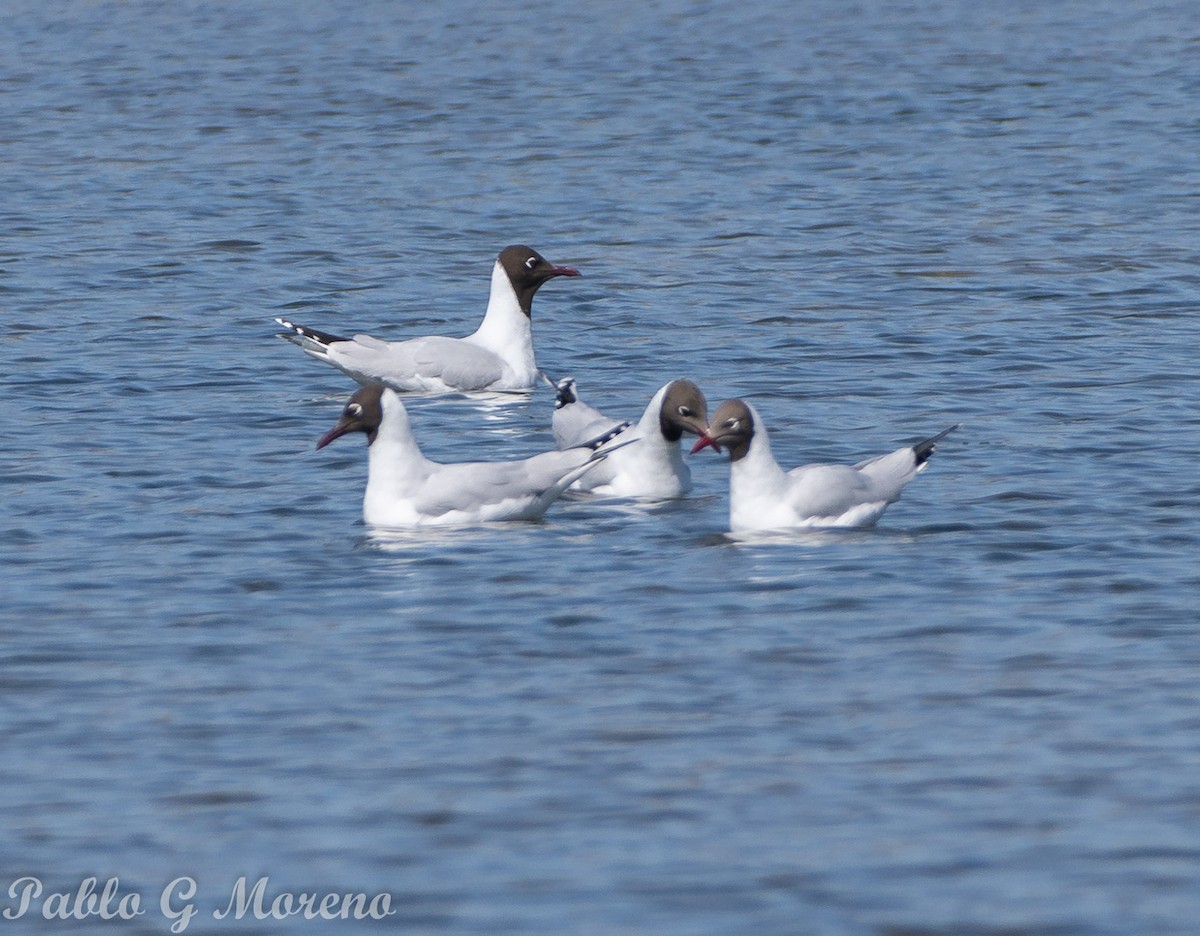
(498, 356)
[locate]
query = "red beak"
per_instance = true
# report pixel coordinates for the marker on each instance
(335, 433)
(565, 271)
(704, 442)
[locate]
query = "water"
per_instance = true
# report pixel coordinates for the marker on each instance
(873, 220)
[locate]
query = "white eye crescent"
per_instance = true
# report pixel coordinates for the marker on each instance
(684, 411)
(354, 409)
(531, 263)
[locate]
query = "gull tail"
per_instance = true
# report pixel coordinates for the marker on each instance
(924, 450)
(309, 339)
(564, 390)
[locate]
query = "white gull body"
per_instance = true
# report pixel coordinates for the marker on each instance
(762, 496)
(405, 489)
(652, 469)
(498, 356)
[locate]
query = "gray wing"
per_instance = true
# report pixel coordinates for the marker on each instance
(576, 423)
(470, 486)
(418, 363)
(831, 490)
(888, 474)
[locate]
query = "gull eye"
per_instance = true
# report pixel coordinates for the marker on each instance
(531, 263)
(354, 409)
(731, 423)
(685, 411)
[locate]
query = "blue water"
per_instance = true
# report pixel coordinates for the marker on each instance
(873, 220)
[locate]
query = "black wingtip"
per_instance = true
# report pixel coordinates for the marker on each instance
(602, 440)
(311, 334)
(924, 450)
(564, 393)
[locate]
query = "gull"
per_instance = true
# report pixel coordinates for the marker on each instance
(652, 469)
(762, 496)
(498, 356)
(405, 489)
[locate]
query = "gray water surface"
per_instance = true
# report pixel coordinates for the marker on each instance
(873, 220)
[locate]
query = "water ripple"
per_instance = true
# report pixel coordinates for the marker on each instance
(976, 718)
